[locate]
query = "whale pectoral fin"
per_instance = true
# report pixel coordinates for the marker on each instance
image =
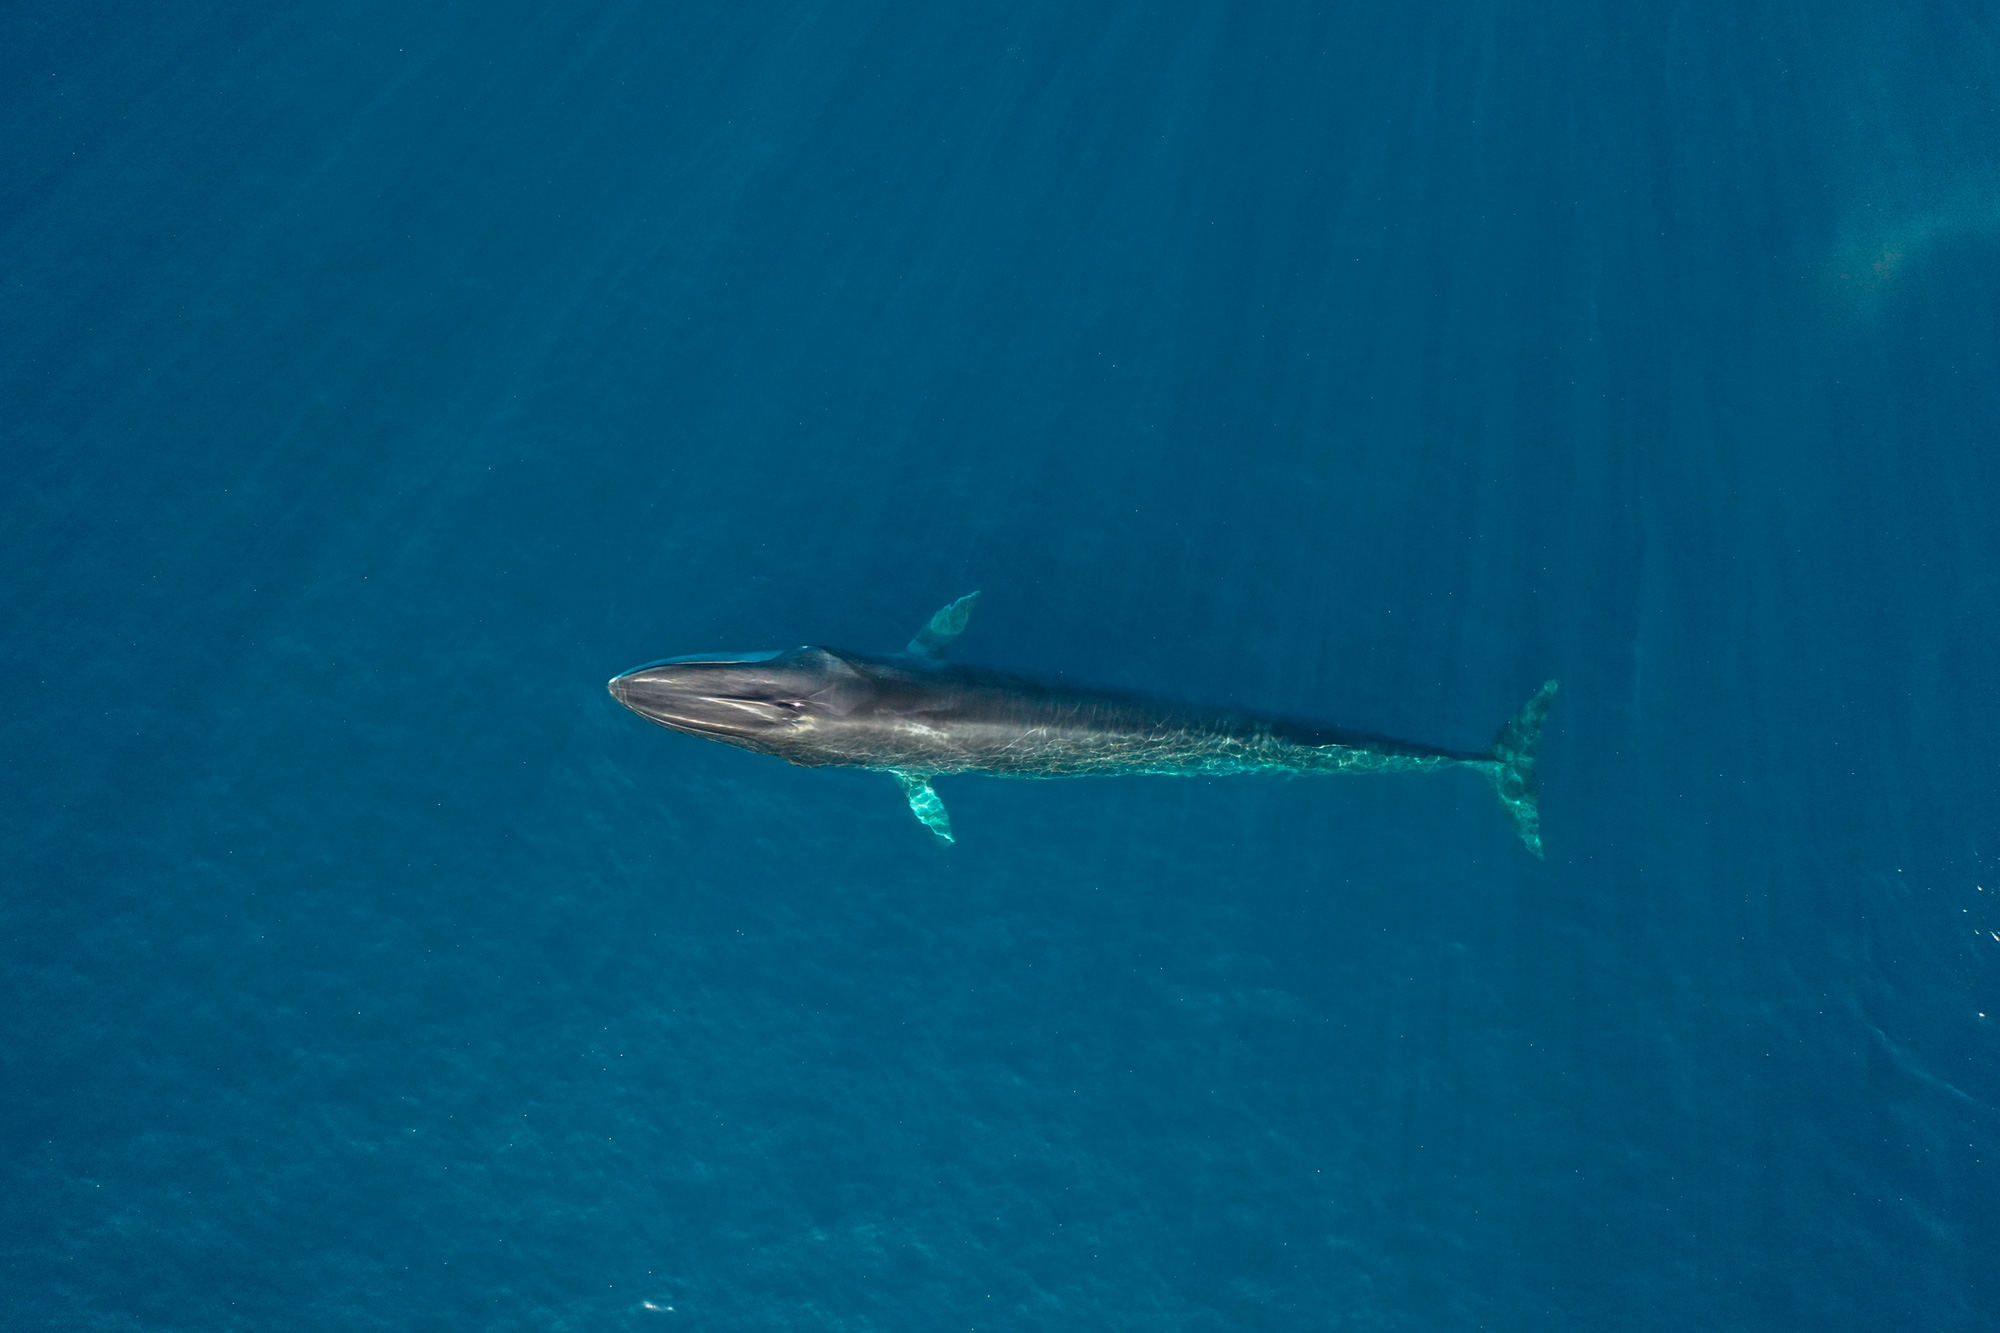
(924, 802)
(946, 625)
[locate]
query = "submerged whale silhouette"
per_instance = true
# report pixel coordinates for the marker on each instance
(915, 716)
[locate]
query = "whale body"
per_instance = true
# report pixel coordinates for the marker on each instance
(917, 716)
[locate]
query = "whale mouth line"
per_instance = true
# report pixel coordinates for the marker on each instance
(702, 726)
(717, 716)
(702, 659)
(694, 726)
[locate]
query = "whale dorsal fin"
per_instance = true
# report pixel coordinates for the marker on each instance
(946, 625)
(924, 802)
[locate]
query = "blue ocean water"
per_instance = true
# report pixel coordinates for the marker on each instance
(376, 380)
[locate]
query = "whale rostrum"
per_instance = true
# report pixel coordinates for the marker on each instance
(918, 716)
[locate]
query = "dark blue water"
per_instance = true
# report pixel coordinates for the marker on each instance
(376, 380)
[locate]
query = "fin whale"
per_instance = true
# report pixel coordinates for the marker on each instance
(916, 716)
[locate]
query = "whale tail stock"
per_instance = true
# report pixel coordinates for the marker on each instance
(1513, 768)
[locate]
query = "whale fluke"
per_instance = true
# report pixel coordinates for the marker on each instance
(1513, 771)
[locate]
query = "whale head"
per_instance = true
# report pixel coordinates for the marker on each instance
(756, 700)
